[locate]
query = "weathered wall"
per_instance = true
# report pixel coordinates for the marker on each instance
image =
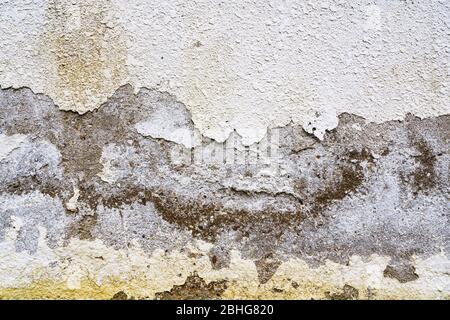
(221, 149)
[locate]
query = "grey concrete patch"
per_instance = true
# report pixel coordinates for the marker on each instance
(366, 188)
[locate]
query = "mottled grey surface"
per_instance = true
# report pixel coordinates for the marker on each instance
(366, 188)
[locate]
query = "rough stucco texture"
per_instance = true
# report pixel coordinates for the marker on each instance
(222, 149)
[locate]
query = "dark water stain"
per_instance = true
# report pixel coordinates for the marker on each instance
(194, 288)
(424, 177)
(348, 293)
(343, 168)
(82, 228)
(88, 48)
(266, 267)
(120, 296)
(348, 179)
(404, 272)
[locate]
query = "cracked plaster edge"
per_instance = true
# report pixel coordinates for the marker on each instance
(318, 127)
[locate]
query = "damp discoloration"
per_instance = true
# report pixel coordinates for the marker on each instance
(287, 196)
(120, 296)
(82, 227)
(402, 272)
(347, 180)
(160, 149)
(266, 267)
(423, 176)
(85, 44)
(302, 62)
(194, 288)
(96, 271)
(347, 293)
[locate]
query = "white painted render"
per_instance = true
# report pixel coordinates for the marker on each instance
(121, 207)
(242, 65)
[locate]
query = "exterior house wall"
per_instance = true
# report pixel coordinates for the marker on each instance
(224, 149)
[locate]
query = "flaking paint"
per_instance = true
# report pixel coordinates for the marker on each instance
(228, 142)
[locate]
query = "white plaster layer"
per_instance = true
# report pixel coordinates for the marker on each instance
(172, 123)
(93, 260)
(239, 65)
(71, 205)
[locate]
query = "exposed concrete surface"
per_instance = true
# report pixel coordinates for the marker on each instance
(224, 151)
(366, 191)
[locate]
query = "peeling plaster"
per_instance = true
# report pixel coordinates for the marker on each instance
(237, 66)
(289, 197)
(89, 269)
(170, 150)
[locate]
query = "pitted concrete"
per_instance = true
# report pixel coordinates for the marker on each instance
(365, 189)
(224, 150)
